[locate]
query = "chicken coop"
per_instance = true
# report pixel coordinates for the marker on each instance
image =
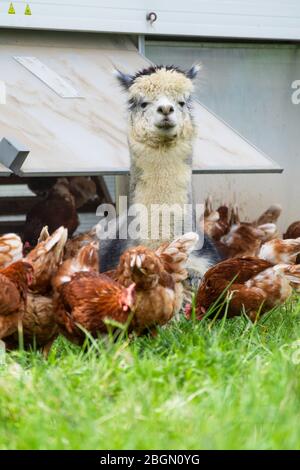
(63, 116)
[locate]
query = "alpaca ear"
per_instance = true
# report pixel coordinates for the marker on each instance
(193, 72)
(125, 79)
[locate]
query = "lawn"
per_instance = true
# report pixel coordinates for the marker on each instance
(221, 385)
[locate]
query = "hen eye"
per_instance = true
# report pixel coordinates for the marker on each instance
(144, 104)
(181, 103)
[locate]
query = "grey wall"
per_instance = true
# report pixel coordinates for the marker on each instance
(249, 86)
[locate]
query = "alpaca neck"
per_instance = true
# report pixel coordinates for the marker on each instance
(161, 174)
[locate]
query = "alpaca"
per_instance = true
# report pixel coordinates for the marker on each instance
(160, 137)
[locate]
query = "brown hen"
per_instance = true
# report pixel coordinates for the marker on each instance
(270, 216)
(155, 302)
(38, 321)
(243, 239)
(253, 286)
(216, 223)
(281, 251)
(39, 325)
(158, 277)
(101, 297)
(14, 281)
(74, 244)
(85, 260)
(56, 209)
(46, 258)
(87, 301)
(83, 189)
(293, 231)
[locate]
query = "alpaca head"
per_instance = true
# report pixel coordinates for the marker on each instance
(160, 104)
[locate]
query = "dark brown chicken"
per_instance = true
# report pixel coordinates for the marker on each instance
(83, 189)
(38, 322)
(78, 241)
(281, 251)
(211, 218)
(236, 271)
(253, 286)
(14, 282)
(85, 260)
(38, 325)
(88, 300)
(57, 209)
(155, 302)
(216, 224)
(158, 277)
(113, 297)
(234, 216)
(224, 223)
(46, 258)
(244, 239)
(293, 231)
(84, 297)
(270, 216)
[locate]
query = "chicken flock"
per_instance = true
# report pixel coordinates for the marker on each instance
(57, 287)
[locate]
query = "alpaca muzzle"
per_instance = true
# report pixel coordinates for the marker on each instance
(166, 124)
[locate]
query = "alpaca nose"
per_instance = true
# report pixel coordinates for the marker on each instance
(165, 109)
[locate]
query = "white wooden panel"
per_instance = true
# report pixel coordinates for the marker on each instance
(265, 19)
(67, 136)
(49, 77)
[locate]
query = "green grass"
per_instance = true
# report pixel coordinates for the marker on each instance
(226, 385)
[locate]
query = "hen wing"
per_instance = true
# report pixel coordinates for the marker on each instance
(11, 249)
(273, 284)
(237, 269)
(271, 215)
(79, 241)
(87, 300)
(85, 260)
(139, 265)
(281, 251)
(293, 230)
(174, 255)
(224, 276)
(244, 299)
(11, 307)
(45, 258)
(38, 322)
(10, 298)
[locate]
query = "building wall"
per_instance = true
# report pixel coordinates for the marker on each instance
(207, 18)
(250, 87)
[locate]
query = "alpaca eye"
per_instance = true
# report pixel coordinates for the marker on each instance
(181, 103)
(144, 104)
